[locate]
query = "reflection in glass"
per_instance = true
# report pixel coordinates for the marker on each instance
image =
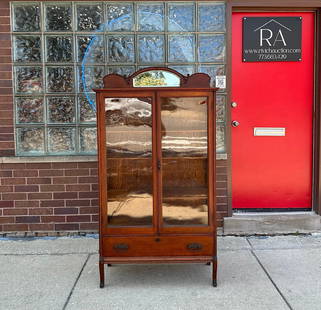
(184, 161)
(150, 17)
(156, 79)
(181, 48)
(129, 161)
(181, 17)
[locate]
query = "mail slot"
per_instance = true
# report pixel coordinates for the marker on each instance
(269, 131)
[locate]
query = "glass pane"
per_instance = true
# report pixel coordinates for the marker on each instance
(26, 17)
(155, 78)
(58, 17)
(88, 140)
(28, 80)
(120, 17)
(151, 48)
(87, 108)
(61, 110)
(90, 78)
(27, 49)
(89, 17)
(121, 49)
(212, 71)
(61, 140)
(212, 48)
(129, 161)
(184, 161)
(59, 79)
(30, 141)
(185, 70)
(59, 49)
(123, 70)
(150, 17)
(96, 51)
(211, 17)
(220, 108)
(220, 139)
(181, 48)
(181, 17)
(29, 110)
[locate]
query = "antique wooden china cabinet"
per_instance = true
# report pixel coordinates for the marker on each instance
(156, 143)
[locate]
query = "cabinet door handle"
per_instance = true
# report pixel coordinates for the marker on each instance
(194, 246)
(158, 164)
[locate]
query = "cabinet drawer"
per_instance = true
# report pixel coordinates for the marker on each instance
(158, 246)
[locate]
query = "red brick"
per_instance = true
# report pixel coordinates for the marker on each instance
(94, 202)
(88, 195)
(6, 137)
(26, 203)
(6, 189)
(78, 218)
(88, 210)
(6, 83)
(26, 188)
(89, 226)
(95, 218)
(40, 196)
(13, 181)
(6, 75)
(6, 204)
(13, 166)
(4, 20)
(5, 121)
(25, 173)
(66, 211)
(77, 202)
(14, 196)
(6, 173)
(87, 179)
(8, 153)
(52, 188)
(40, 211)
(41, 227)
(94, 187)
(38, 165)
(27, 219)
(65, 195)
(94, 172)
(53, 219)
(52, 203)
(64, 180)
(6, 219)
(15, 211)
(69, 226)
(90, 164)
(76, 172)
(38, 181)
(78, 188)
(5, 59)
(15, 227)
(64, 165)
(49, 173)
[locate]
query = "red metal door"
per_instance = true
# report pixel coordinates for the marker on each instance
(272, 171)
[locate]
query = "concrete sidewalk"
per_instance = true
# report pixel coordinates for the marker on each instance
(281, 272)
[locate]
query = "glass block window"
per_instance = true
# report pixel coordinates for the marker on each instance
(62, 50)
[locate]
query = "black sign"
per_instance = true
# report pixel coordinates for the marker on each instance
(272, 38)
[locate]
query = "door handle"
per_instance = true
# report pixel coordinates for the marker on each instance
(235, 123)
(158, 164)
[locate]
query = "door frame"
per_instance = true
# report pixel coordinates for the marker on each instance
(286, 6)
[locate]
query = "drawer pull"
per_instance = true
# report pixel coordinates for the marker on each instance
(121, 247)
(194, 246)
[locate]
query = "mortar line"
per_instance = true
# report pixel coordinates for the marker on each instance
(76, 281)
(268, 275)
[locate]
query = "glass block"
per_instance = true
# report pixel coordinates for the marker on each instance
(88, 140)
(27, 48)
(30, 141)
(184, 69)
(90, 77)
(181, 48)
(122, 70)
(93, 47)
(61, 140)
(87, 108)
(58, 17)
(220, 108)
(121, 49)
(29, 110)
(150, 17)
(151, 48)
(211, 17)
(220, 139)
(89, 17)
(120, 17)
(26, 17)
(61, 109)
(212, 71)
(181, 17)
(60, 79)
(59, 49)
(212, 48)
(28, 80)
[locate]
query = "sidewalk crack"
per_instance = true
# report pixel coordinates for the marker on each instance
(73, 287)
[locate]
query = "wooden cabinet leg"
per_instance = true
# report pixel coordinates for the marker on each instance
(214, 274)
(102, 274)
